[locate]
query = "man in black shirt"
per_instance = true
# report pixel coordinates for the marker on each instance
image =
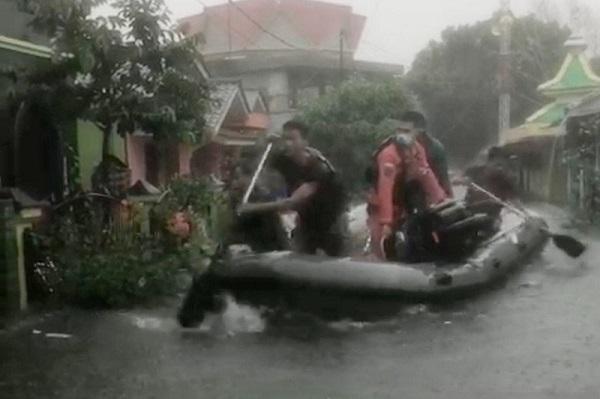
(317, 195)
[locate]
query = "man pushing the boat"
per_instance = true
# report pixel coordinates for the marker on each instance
(317, 195)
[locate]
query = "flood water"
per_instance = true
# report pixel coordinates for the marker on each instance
(535, 336)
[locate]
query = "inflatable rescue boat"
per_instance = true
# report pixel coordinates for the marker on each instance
(516, 241)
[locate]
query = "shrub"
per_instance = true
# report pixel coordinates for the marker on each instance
(129, 272)
(106, 260)
(205, 207)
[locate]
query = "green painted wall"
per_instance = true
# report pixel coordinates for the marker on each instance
(89, 149)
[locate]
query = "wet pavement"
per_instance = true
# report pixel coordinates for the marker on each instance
(537, 336)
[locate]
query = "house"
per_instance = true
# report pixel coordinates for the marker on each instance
(38, 163)
(293, 50)
(31, 163)
(16, 52)
(539, 141)
(236, 119)
(38, 158)
(581, 157)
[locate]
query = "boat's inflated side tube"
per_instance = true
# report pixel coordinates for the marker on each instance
(493, 260)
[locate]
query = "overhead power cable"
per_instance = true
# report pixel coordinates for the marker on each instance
(234, 30)
(262, 28)
(374, 46)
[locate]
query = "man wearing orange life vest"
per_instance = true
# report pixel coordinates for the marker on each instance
(401, 168)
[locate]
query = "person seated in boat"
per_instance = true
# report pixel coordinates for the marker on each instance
(317, 195)
(404, 185)
(494, 176)
(434, 150)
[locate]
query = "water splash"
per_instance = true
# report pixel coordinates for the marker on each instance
(418, 309)
(151, 323)
(348, 325)
(235, 319)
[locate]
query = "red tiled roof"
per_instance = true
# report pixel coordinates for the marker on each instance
(315, 21)
(255, 122)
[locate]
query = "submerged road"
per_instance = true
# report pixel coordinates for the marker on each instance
(537, 336)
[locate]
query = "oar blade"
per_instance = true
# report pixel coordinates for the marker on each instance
(571, 246)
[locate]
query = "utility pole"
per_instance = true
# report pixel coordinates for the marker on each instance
(342, 37)
(503, 30)
(229, 3)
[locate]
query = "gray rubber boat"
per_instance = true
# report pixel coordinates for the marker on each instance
(516, 242)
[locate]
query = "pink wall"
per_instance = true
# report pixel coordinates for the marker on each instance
(136, 157)
(207, 159)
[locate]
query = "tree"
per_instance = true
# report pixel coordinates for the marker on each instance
(124, 73)
(579, 15)
(455, 80)
(348, 124)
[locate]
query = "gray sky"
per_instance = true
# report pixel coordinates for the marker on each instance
(397, 30)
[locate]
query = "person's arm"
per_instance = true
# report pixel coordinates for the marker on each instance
(388, 165)
(299, 198)
(421, 170)
(318, 173)
(444, 175)
(439, 164)
(275, 163)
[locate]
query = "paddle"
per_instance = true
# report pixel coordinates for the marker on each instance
(259, 169)
(568, 244)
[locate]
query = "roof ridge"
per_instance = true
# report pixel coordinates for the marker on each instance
(570, 59)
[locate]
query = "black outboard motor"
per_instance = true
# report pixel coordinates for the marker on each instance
(448, 232)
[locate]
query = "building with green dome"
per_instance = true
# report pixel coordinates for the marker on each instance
(539, 142)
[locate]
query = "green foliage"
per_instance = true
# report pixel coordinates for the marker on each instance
(130, 271)
(207, 210)
(348, 124)
(207, 207)
(126, 72)
(120, 263)
(102, 265)
(455, 80)
(359, 101)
